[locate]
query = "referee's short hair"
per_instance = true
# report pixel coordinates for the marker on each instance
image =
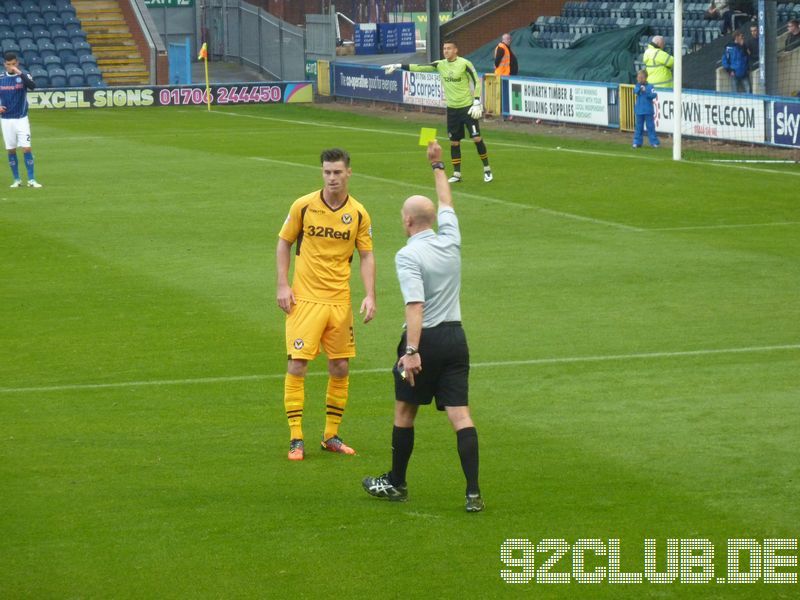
(8, 56)
(335, 155)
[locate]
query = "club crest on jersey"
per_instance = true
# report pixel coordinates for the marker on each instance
(347, 219)
(298, 344)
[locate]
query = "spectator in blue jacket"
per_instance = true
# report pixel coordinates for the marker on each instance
(644, 111)
(737, 63)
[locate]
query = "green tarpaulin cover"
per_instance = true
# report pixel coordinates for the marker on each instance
(607, 57)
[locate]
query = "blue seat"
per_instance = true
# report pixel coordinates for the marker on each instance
(57, 31)
(75, 77)
(81, 47)
(87, 59)
(68, 19)
(45, 44)
(52, 19)
(28, 45)
(69, 57)
(40, 31)
(7, 34)
(65, 45)
(94, 80)
(58, 77)
(10, 46)
(52, 60)
(34, 19)
(37, 71)
(33, 58)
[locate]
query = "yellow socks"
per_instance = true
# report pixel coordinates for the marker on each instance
(335, 401)
(293, 400)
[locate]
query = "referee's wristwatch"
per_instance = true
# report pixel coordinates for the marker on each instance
(437, 165)
(411, 350)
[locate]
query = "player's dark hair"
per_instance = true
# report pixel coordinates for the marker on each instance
(450, 42)
(335, 155)
(10, 56)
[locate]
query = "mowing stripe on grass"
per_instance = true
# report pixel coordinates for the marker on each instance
(737, 226)
(627, 155)
(555, 213)
(502, 363)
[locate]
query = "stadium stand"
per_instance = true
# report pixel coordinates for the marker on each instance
(579, 19)
(49, 42)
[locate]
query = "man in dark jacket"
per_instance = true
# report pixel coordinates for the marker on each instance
(752, 47)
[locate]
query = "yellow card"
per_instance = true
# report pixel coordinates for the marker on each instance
(426, 134)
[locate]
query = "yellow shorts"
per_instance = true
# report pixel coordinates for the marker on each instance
(312, 323)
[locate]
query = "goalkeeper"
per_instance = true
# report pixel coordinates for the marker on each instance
(462, 93)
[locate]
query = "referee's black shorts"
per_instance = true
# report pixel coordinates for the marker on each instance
(457, 120)
(445, 368)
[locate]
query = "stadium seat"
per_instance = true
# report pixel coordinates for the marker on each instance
(52, 19)
(87, 59)
(68, 19)
(63, 45)
(69, 57)
(75, 77)
(28, 45)
(40, 31)
(52, 60)
(81, 47)
(45, 45)
(34, 19)
(37, 71)
(94, 80)
(10, 46)
(33, 58)
(57, 31)
(7, 34)
(12, 6)
(57, 75)
(75, 31)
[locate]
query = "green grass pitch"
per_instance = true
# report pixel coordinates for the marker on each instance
(634, 326)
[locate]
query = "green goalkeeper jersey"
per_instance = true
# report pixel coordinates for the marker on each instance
(459, 79)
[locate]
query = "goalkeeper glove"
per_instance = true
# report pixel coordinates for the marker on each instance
(389, 69)
(476, 110)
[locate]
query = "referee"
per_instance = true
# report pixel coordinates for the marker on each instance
(433, 357)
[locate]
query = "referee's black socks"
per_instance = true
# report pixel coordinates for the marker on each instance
(402, 446)
(468, 452)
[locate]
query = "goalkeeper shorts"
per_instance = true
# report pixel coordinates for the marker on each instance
(457, 120)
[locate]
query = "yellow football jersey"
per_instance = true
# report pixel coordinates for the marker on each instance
(325, 241)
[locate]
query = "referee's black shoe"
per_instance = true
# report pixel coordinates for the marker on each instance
(382, 487)
(475, 503)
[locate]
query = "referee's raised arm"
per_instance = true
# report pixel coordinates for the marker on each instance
(439, 176)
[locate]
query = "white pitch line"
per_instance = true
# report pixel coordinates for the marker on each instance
(480, 365)
(738, 226)
(414, 135)
(491, 200)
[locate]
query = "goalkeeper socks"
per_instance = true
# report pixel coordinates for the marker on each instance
(293, 400)
(481, 147)
(29, 163)
(12, 161)
(468, 453)
(335, 401)
(402, 446)
(455, 157)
